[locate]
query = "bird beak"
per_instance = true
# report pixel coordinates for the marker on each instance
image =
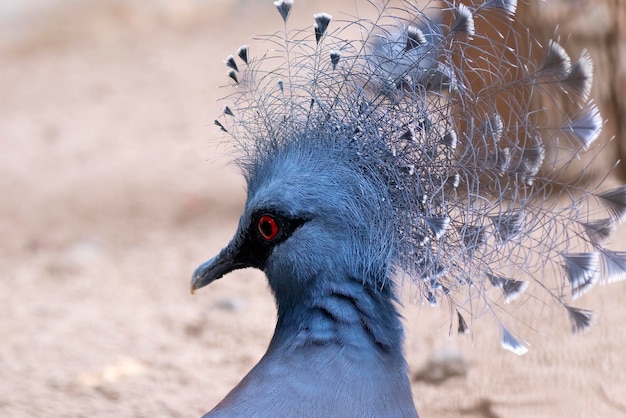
(209, 271)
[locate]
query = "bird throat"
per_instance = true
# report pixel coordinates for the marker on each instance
(348, 313)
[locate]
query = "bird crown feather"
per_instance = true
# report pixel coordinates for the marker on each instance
(469, 140)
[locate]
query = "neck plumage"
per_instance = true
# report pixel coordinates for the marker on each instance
(346, 313)
(335, 352)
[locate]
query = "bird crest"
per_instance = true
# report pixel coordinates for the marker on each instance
(448, 142)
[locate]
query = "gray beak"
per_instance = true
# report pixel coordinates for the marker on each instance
(209, 271)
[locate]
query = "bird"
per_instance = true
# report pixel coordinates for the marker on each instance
(422, 149)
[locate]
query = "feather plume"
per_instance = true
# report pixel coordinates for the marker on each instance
(442, 117)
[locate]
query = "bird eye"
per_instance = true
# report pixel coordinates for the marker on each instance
(268, 227)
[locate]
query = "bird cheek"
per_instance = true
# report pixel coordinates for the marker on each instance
(291, 263)
(307, 259)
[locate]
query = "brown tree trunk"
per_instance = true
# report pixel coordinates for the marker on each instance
(599, 26)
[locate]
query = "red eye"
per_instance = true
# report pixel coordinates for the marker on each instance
(268, 228)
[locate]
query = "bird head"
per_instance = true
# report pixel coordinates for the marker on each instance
(311, 209)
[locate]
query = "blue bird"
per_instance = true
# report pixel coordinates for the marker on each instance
(429, 152)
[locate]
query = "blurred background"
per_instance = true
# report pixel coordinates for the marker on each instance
(115, 184)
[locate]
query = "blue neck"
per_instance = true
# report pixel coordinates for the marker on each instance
(345, 313)
(336, 350)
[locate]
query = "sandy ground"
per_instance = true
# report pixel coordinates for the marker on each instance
(113, 190)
